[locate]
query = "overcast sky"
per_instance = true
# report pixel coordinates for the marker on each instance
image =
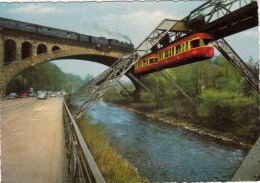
(120, 20)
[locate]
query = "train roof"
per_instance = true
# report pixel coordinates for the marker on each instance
(37, 25)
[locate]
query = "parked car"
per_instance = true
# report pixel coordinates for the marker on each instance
(42, 95)
(24, 94)
(12, 95)
(53, 94)
(32, 94)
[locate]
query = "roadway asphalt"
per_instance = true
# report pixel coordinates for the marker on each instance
(32, 141)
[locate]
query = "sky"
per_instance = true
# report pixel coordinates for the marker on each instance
(120, 20)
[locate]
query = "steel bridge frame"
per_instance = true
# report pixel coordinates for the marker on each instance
(214, 9)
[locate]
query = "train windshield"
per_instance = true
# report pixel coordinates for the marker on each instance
(195, 43)
(207, 42)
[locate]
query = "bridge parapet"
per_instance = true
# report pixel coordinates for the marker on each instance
(82, 166)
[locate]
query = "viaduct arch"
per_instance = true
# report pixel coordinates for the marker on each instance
(23, 52)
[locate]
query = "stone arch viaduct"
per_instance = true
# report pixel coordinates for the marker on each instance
(21, 50)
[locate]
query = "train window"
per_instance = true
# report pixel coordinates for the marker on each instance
(206, 42)
(39, 29)
(187, 45)
(178, 49)
(155, 60)
(150, 60)
(166, 53)
(194, 43)
(49, 29)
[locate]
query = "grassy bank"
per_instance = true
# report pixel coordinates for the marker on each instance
(113, 167)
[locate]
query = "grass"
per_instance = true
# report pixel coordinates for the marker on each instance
(113, 167)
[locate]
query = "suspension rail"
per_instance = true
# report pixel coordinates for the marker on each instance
(82, 166)
(215, 9)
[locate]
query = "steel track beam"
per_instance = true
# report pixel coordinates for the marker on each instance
(226, 50)
(215, 9)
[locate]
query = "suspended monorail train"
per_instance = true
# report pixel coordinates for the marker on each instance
(189, 49)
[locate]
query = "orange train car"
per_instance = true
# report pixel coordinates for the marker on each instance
(194, 48)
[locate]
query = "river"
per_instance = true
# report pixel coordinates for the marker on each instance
(165, 153)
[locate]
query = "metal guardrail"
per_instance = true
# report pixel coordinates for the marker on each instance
(82, 166)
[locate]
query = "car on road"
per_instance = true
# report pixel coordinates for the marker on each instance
(42, 95)
(12, 95)
(24, 94)
(32, 94)
(53, 94)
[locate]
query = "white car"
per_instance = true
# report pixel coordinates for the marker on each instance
(42, 95)
(53, 94)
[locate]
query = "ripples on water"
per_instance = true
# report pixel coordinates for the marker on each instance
(163, 153)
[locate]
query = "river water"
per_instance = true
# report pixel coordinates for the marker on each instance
(164, 153)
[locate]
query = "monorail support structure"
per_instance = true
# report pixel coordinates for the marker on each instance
(124, 64)
(179, 88)
(225, 49)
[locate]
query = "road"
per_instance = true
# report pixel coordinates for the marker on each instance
(32, 141)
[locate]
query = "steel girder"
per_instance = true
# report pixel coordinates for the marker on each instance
(225, 49)
(214, 9)
(179, 88)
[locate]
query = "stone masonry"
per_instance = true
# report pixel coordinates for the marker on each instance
(68, 50)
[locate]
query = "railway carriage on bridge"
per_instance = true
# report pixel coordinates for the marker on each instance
(189, 49)
(99, 42)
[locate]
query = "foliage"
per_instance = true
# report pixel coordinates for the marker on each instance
(222, 107)
(47, 76)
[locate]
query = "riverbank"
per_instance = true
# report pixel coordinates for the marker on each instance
(113, 167)
(183, 124)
